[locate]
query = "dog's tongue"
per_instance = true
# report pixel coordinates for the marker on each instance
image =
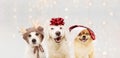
(83, 40)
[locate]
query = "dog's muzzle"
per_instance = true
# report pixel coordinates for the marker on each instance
(58, 33)
(84, 39)
(34, 41)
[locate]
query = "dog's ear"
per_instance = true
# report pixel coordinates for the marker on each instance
(40, 28)
(22, 30)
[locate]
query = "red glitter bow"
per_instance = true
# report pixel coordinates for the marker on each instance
(57, 21)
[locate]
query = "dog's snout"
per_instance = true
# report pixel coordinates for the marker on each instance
(33, 40)
(58, 33)
(84, 37)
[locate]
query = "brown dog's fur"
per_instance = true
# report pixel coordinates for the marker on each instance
(34, 51)
(83, 49)
(39, 30)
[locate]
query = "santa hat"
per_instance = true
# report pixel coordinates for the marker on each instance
(57, 21)
(76, 29)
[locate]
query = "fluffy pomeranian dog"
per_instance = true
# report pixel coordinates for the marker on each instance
(57, 42)
(83, 38)
(33, 37)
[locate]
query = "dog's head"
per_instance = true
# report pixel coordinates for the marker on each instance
(33, 36)
(84, 37)
(57, 33)
(82, 34)
(56, 30)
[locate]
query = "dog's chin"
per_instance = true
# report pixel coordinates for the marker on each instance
(58, 39)
(34, 44)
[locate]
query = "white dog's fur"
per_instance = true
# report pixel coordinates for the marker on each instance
(29, 53)
(60, 48)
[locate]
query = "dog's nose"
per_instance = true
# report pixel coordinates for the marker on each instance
(33, 40)
(84, 37)
(58, 33)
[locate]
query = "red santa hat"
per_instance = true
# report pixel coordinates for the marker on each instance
(74, 30)
(57, 21)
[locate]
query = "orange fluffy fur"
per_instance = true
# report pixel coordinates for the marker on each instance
(83, 49)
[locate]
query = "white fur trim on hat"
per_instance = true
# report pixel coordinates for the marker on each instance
(74, 32)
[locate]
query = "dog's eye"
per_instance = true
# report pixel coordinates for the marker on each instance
(60, 27)
(29, 35)
(87, 33)
(36, 34)
(52, 28)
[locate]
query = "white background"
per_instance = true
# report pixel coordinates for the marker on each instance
(102, 16)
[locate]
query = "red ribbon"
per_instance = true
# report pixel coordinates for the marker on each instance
(37, 49)
(57, 21)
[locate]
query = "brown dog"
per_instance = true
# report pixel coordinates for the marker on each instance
(83, 46)
(34, 37)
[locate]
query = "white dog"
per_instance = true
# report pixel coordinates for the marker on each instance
(57, 42)
(34, 37)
